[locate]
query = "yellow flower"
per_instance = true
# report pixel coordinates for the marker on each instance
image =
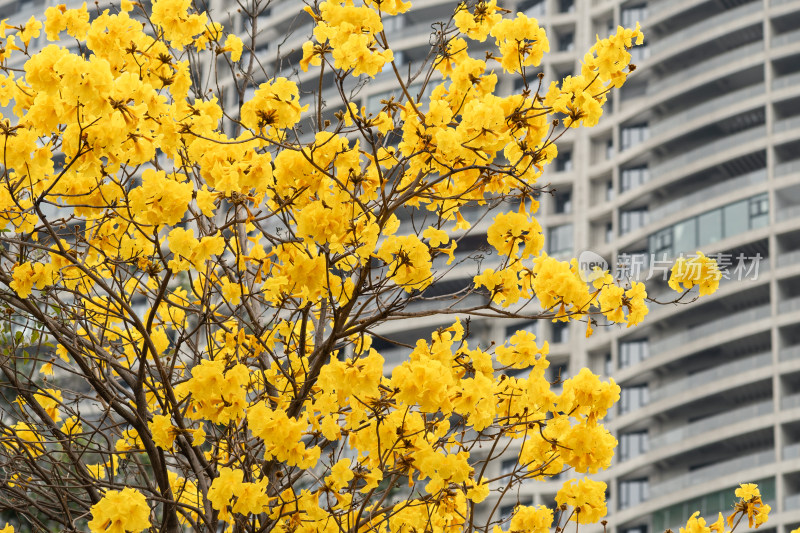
(163, 431)
(408, 261)
(696, 525)
(341, 475)
(477, 492)
(588, 497)
(50, 401)
(537, 519)
(233, 44)
(124, 511)
(30, 30)
(747, 491)
(699, 270)
(510, 230)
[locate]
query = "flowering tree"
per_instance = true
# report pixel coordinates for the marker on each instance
(192, 279)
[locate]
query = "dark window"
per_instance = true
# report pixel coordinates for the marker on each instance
(566, 42)
(560, 332)
(532, 8)
(566, 6)
(564, 161)
(558, 372)
(563, 202)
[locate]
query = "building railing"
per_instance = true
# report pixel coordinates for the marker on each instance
(789, 306)
(706, 377)
(709, 328)
(735, 184)
(711, 472)
(792, 451)
(791, 401)
(710, 423)
(706, 108)
(791, 80)
(706, 150)
(787, 123)
(675, 39)
(732, 58)
(790, 37)
(791, 502)
(787, 213)
(789, 353)
(789, 167)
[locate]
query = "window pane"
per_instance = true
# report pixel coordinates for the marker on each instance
(685, 239)
(735, 218)
(710, 227)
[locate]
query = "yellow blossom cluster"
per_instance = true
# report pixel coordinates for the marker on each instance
(698, 270)
(216, 278)
(749, 505)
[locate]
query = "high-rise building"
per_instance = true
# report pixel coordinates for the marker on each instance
(699, 151)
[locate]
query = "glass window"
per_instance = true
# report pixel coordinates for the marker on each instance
(566, 42)
(560, 332)
(637, 529)
(608, 365)
(532, 8)
(506, 512)
(633, 444)
(633, 352)
(609, 149)
(634, 177)
(639, 53)
(609, 232)
(633, 492)
(563, 202)
(709, 227)
(395, 23)
(609, 191)
(735, 218)
(507, 466)
(531, 326)
(633, 14)
(661, 243)
(684, 235)
(759, 211)
(633, 219)
(633, 135)
(632, 398)
(566, 6)
(564, 161)
(559, 239)
(558, 372)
